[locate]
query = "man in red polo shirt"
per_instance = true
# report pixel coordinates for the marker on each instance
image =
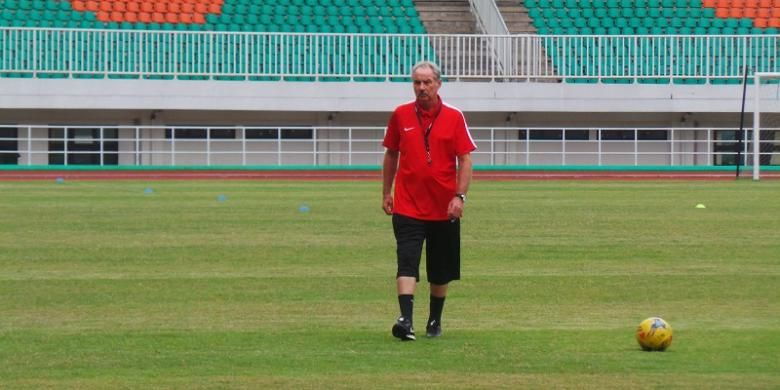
(428, 157)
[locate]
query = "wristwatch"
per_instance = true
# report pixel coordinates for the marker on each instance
(462, 197)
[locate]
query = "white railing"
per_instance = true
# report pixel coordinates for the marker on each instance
(489, 17)
(361, 146)
(491, 22)
(46, 52)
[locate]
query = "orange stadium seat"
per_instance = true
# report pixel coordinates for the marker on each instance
(131, 17)
(158, 17)
(722, 12)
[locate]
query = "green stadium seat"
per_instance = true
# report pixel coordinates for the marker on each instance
(657, 17)
(239, 15)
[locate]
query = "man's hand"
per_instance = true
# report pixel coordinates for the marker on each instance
(455, 208)
(387, 204)
(389, 167)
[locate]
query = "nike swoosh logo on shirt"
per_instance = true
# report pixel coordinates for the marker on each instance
(408, 128)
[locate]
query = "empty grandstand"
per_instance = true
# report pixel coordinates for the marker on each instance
(303, 82)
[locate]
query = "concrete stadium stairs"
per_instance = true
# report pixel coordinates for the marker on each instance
(455, 17)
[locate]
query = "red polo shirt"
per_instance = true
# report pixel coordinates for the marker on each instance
(422, 190)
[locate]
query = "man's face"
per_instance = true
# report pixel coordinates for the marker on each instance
(426, 86)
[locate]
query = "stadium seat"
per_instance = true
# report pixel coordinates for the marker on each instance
(657, 17)
(308, 16)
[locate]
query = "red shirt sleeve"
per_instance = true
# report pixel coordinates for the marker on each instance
(463, 141)
(392, 135)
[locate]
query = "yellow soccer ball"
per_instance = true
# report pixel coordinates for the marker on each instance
(654, 334)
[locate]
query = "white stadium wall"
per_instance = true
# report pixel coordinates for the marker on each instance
(509, 107)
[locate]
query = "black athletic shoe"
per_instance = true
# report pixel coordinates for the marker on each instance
(433, 329)
(403, 330)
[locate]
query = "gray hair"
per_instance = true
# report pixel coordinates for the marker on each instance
(430, 65)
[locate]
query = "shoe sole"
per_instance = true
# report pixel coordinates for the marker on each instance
(400, 332)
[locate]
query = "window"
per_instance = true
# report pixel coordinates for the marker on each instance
(571, 135)
(201, 133)
(8, 146)
(617, 135)
(628, 135)
(653, 135)
(266, 133)
(726, 152)
(84, 146)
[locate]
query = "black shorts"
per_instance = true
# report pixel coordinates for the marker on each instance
(442, 248)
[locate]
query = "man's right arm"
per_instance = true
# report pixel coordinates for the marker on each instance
(389, 167)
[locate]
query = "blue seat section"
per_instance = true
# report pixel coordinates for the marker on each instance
(221, 56)
(595, 48)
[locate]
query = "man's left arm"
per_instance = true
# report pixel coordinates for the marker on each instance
(455, 208)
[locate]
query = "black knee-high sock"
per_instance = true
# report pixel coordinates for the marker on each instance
(437, 306)
(406, 302)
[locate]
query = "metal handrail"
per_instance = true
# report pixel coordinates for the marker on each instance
(346, 145)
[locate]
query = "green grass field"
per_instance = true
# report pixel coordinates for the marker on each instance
(105, 286)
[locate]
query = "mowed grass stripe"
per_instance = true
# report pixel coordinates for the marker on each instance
(363, 351)
(568, 302)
